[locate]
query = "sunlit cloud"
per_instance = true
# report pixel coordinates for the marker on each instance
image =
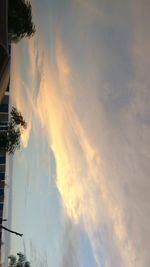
(98, 148)
(86, 195)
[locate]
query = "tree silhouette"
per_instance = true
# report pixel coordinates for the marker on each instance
(20, 22)
(10, 136)
(17, 118)
(19, 261)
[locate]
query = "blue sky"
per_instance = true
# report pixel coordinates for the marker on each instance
(81, 178)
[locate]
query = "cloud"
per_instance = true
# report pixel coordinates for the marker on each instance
(92, 106)
(30, 79)
(36, 63)
(70, 246)
(36, 256)
(17, 98)
(86, 194)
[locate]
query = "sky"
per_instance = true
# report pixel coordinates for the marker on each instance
(80, 182)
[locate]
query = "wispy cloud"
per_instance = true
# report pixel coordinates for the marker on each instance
(70, 245)
(80, 175)
(24, 89)
(92, 107)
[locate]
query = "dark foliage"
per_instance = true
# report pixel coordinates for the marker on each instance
(17, 118)
(10, 138)
(20, 22)
(19, 261)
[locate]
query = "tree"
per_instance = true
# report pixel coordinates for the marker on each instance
(10, 136)
(17, 118)
(20, 22)
(19, 261)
